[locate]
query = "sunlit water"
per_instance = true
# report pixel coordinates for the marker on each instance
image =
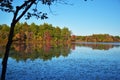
(82, 63)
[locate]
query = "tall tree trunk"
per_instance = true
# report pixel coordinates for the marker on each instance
(16, 18)
(6, 55)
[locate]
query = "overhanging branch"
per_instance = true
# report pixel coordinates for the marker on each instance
(25, 10)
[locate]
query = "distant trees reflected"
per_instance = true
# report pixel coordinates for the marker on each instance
(24, 51)
(98, 46)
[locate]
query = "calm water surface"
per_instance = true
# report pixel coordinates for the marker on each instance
(78, 61)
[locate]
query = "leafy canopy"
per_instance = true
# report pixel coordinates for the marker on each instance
(7, 6)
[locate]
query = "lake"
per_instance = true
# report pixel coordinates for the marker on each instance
(76, 61)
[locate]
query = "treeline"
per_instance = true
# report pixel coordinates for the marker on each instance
(98, 38)
(32, 33)
(47, 33)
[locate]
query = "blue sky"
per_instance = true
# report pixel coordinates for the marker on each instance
(82, 18)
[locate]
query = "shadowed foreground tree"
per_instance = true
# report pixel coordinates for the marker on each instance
(18, 12)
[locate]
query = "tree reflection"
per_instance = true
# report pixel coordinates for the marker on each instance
(98, 46)
(24, 51)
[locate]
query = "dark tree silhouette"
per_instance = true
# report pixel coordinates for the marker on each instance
(6, 6)
(18, 12)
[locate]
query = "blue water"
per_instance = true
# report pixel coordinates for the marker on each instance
(83, 63)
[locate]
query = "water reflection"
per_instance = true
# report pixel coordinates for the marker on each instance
(33, 61)
(23, 51)
(98, 46)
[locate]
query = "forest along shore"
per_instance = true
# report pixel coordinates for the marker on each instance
(47, 33)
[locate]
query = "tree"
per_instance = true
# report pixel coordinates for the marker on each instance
(57, 33)
(18, 13)
(4, 29)
(65, 33)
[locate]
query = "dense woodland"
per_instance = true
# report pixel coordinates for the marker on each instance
(98, 38)
(35, 33)
(47, 33)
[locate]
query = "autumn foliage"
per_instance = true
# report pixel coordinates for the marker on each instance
(46, 33)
